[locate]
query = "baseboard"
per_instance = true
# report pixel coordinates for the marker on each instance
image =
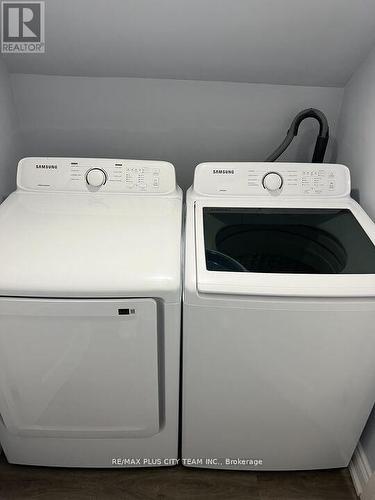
(359, 469)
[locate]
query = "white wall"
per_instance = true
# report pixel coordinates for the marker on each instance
(9, 138)
(185, 122)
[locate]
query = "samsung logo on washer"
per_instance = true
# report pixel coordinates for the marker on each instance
(46, 167)
(217, 171)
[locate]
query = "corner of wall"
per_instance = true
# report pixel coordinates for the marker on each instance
(356, 131)
(10, 143)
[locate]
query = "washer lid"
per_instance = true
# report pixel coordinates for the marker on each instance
(323, 248)
(74, 244)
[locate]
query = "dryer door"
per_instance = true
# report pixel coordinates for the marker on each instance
(79, 368)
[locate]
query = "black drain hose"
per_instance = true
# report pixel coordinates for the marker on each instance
(321, 141)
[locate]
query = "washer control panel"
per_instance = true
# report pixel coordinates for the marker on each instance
(96, 175)
(272, 179)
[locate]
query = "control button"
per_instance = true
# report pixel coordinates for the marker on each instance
(272, 181)
(96, 177)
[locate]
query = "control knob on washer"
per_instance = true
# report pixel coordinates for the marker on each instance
(272, 181)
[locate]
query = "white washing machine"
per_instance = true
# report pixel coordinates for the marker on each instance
(279, 315)
(90, 313)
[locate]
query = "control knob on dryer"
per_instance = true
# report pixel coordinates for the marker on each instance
(96, 177)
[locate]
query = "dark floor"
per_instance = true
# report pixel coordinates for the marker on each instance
(21, 482)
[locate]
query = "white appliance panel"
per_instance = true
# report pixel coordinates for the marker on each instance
(119, 176)
(249, 179)
(263, 382)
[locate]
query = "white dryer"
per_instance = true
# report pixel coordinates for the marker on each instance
(279, 315)
(90, 313)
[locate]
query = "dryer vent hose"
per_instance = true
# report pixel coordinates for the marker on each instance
(321, 141)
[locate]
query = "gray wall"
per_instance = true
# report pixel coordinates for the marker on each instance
(289, 42)
(185, 122)
(357, 132)
(9, 138)
(356, 140)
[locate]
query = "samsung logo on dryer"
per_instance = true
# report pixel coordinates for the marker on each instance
(220, 171)
(46, 167)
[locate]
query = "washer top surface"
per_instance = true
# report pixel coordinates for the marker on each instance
(279, 229)
(61, 236)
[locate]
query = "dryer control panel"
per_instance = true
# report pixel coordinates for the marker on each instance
(272, 179)
(96, 175)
